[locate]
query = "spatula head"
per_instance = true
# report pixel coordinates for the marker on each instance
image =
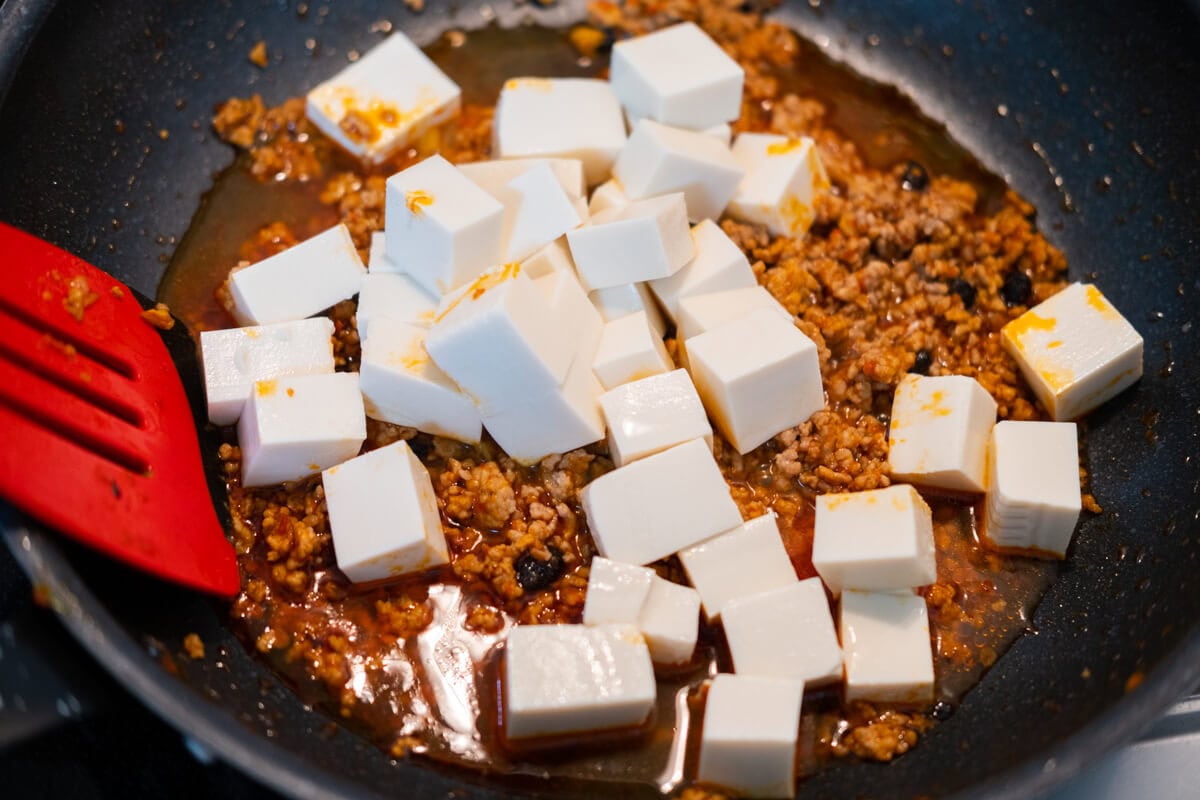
(99, 440)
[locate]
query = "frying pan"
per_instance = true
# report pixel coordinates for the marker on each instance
(1088, 110)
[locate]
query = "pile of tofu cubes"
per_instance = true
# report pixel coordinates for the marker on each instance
(504, 295)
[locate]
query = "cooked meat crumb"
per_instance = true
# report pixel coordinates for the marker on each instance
(159, 317)
(193, 645)
(258, 54)
(79, 297)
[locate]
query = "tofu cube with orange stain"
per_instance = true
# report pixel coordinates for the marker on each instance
(384, 101)
(607, 196)
(396, 296)
(615, 592)
(698, 313)
(560, 679)
(878, 541)
(740, 562)
(677, 76)
(719, 265)
(757, 375)
(630, 349)
(888, 652)
(784, 177)
(649, 415)
(1033, 495)
(670, 621)
(939, 432)
(560, 118)
(492, 176)
(296, 426)
(442, 229)
(748, 740)
(383, 515)
(646, 239)
(1075, 349)
(659, 159)
(659, 505)
(786, 632)
(301, 281)
(537, 211)
(615, 302)
(234, 359)
(402, 385)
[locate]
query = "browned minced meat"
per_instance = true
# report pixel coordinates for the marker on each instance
(869, 284)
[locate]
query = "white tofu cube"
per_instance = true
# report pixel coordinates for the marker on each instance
(743, 561)
(721, 132)
(236, 358)
(719, 265)
(493, 176)
(659, 505)
(784, 633)
(701, 312)
(377, 258)
(441, 228)
(615, 592)
(630, 349)
(670, 621)
(1033, 496)
(296, 426)
(677, 76)
(659, 159)
(1076, 350)
(537, 211)
(758, 376)
(571, 678)
(783, 179)
(616, 302)
(889, 655)
(748, 741)
(402, 385)
(879, 540)
(301, 281)
(644, 240)
(573, 311)
(939, 432)
(499, 340)
(607, 196)
(560, 118)
(395, 296)
(383, 101)
(554, 257)
(383, 515)
(650, 415)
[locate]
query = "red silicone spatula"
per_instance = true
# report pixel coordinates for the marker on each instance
(97, 439)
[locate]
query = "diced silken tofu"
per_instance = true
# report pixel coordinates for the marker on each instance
(442, 229)
(383, 101)
(573, 311)
(677, 76)
(719, 265)
(492, 176)
(1033, 494)
(650, 415)
(560, 118)
(742, 561)
(554, 257)
(784, 633)
(615, 592)
(644, 240)
(537, 211)
(296, 426)
(722, 132)
(572, 678)
(383, 515)
(236, 358)
(303, 280)
(1075, 349)
(377, 257)
(630, 349)
(757, 375)
(888, 652)
(659, 505)
(703, 311)
(659, 159)
(783, 179)
(402, 385)
(396, 296)
(628, 298)
(748, 740)
(607, 196)
(878, 540)
(939, 432)
(670, 621)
